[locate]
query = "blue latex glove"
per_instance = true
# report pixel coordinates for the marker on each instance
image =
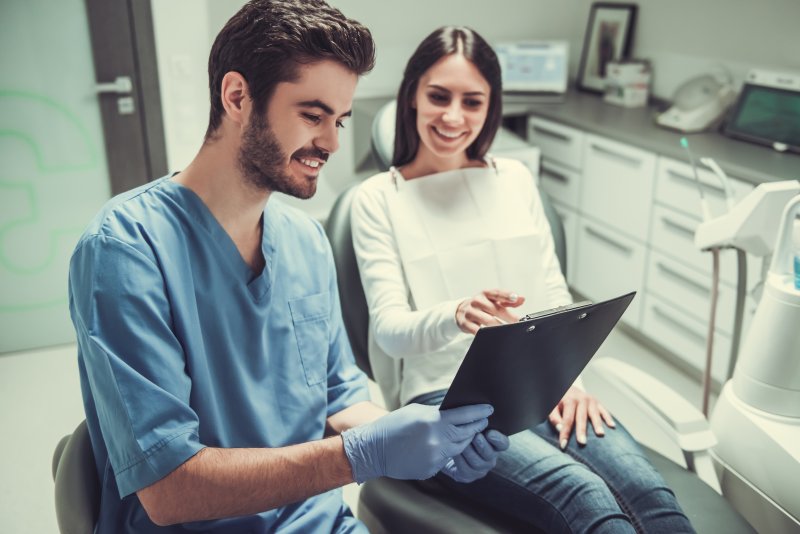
(413, 442)
(479, 458)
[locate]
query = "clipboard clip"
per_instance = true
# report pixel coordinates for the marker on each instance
(558, 309)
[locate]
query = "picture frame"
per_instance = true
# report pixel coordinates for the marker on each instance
(609, 36)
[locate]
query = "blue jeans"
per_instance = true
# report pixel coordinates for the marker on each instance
(606, 486)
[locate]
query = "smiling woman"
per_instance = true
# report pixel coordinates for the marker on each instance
(448, 221)
(452, 101)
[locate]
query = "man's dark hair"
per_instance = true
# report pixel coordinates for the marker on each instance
(442, 42)
(267, 40)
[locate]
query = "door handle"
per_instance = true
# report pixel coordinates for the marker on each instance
(121, 85)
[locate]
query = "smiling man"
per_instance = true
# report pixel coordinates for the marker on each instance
(212, 354)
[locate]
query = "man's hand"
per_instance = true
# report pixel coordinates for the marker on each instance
(414, 442)
(477, 459)
(574, 409)
(487, 308)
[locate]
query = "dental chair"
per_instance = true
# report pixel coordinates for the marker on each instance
(77, 489)
(394, 506)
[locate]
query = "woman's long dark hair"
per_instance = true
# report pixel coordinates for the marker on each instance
(442, 42)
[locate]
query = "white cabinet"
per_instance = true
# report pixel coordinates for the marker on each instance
(629, 218)
(617, 185)
(610, 265)
(678, 188)
(684, 336)
(562, 183)
(689, 290)
(557, 142)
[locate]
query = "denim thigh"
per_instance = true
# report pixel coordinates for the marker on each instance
(607, 485)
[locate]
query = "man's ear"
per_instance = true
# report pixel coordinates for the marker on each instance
(235, 95)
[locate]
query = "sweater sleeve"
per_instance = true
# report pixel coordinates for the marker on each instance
(399, 330)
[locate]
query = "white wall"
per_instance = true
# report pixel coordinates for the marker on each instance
(398, 27)
(183, 41)
(682, 38)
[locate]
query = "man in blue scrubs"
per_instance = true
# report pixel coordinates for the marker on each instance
(212, 354)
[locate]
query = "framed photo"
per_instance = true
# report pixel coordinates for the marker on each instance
(608, 38)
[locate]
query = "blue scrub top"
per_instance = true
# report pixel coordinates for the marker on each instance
(182, 346)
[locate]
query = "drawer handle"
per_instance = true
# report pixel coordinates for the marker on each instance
(555, 175)
(635, 162)
(681, 229)
(672, 273)
(609, 241)
(551, 133)
(715, 189)
(675, 322)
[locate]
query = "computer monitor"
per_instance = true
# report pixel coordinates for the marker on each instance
(768, 111)
(534, 67)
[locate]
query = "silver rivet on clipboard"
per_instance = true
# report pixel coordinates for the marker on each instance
(583, 315)
(531, 328)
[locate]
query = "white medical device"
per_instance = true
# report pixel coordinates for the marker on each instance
(751, 224)
(757, 416)
(534, 67)
(698, 104)
(756, 419)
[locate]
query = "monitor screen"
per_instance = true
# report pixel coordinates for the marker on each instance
(766, 115)
(534, 66)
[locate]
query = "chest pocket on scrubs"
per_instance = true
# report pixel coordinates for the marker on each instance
(311, 321)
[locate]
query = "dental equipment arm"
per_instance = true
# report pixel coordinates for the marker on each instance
(662, 406)
(751, 224)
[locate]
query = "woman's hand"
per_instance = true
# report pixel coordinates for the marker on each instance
(487, 308)
(574, 409)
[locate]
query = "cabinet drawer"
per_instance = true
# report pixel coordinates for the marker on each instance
(610, 264)
(672, 232)
(617, 185)
(684, 336)
(557, 142)
(690, 291)
(569, 218)
(676, 187)
(560, 182)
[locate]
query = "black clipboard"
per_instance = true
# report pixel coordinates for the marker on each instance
(523, 369)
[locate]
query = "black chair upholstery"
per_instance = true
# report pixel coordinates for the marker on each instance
(77, 489)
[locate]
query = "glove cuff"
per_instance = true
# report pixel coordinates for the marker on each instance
(363, 460)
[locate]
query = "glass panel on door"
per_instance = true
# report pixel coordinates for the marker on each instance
(54, 175)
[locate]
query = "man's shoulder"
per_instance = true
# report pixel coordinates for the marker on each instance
(126, 217)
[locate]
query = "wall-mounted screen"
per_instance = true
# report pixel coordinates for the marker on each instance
(534, 66)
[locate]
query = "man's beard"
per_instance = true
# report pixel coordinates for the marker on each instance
(263, 162)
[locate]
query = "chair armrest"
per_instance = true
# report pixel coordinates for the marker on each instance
(679, 419)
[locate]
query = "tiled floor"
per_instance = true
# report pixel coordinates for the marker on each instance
(41, 402)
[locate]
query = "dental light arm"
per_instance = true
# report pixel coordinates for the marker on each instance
(752, 223)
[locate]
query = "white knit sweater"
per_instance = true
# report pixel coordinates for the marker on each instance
(415, 351)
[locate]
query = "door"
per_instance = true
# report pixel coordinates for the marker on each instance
(59, 93)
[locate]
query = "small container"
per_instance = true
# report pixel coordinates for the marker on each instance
(627, 83)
